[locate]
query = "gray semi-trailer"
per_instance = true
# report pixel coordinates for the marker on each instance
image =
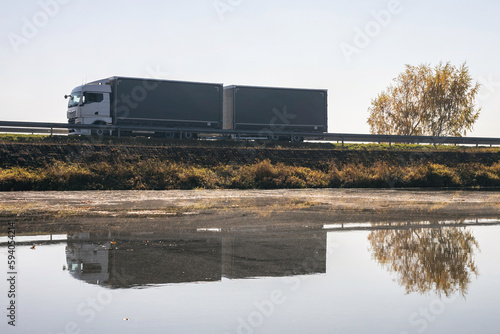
(146, 102)
(273, 112)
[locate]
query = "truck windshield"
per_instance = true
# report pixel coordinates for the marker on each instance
(74, 99)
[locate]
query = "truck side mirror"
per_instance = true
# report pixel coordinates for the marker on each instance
(66, 96)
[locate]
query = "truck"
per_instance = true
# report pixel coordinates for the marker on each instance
(123, 261)
(139, 102)
(177, 108)
(275, 112)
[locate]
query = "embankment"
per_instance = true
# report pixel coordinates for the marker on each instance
(209, 165)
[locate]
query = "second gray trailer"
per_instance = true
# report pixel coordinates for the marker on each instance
(274, 112)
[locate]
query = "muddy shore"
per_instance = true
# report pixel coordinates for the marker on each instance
(135, 211)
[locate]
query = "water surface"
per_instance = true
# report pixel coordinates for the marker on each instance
(389, 279)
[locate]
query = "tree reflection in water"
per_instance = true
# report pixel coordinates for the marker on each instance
(427, 259)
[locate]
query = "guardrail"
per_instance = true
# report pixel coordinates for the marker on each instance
(55, 128)
(34, 130)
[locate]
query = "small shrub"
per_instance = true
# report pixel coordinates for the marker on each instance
(441, 176)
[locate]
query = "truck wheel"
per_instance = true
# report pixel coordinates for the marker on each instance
(98, 132)
(297, 139)
(274, 137)
(189, 135)
(169, 135)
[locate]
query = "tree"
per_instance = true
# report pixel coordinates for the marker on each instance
(437, 101)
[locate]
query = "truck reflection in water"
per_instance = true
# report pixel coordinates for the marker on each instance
(133, 261)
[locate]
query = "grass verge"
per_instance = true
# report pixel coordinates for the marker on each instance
(152, 141)
(155, 174)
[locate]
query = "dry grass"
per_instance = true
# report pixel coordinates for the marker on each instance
(158, 175)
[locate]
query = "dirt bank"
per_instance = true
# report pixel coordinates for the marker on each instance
(36, 155)
(130, 211)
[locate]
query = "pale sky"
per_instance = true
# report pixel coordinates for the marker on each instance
(352, 48)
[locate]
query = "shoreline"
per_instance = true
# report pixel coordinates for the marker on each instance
(134, 211)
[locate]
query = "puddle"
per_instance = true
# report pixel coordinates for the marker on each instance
(392, 278)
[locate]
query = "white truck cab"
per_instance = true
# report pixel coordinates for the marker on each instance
(89, 104)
